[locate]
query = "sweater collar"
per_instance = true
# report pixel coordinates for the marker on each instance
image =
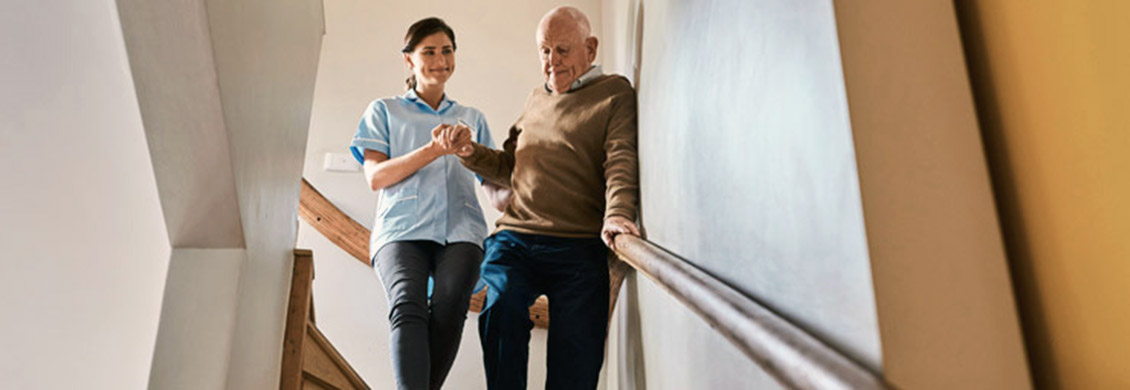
(594, 72)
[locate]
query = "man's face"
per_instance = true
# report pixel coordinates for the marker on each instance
(565, 54)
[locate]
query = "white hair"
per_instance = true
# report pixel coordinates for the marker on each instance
(573, 14)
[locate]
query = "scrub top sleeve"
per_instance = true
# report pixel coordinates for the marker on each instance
(484, 137)
(372, 132)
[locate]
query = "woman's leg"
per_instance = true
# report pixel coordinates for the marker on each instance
(456, 271)
(403, 267)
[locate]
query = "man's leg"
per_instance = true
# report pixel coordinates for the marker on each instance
(577, 288)
(457, 270)
(504, 324)
(403, 267)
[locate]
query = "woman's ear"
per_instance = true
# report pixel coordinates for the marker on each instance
(408, 61)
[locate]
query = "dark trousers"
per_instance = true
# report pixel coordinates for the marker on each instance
(425, 335)
(573, 274)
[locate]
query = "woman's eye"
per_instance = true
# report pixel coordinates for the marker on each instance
(447, 51)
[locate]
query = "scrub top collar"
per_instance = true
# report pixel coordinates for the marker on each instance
(444, 102)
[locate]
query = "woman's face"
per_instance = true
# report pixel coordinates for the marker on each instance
(433, 59)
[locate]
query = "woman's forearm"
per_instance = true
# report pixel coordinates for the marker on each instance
(382, 171)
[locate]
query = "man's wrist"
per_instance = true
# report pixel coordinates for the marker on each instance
(625, 217)
(470, 156)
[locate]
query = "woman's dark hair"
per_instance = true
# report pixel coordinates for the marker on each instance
(420, 30)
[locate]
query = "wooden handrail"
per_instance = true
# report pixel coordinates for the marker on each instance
(792, 356)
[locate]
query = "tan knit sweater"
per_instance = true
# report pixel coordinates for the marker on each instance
(570, 160)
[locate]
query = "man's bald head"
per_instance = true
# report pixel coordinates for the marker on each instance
(565, 19)
(566, 45)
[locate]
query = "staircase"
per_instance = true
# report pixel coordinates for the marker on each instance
(310, 361)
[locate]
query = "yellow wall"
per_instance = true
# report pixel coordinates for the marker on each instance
(1052, 80)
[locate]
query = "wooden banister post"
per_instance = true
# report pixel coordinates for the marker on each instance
(298, 311)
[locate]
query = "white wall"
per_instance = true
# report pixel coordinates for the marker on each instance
(171, 58)
(266, 54)
(747, 170)
(198, 313)
(226, 89)
(931, 282)
(174, 70)
(84, 244)
(747, 161)
(496, 68)
(623, 356)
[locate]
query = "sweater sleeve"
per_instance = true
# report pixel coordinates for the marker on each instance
(621, 163)
(492, 164)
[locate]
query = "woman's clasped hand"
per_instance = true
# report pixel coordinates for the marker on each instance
(452, 139)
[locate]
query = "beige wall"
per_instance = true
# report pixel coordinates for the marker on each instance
(496, 68)
(1052, 88)
(84, 245)
(946, 311)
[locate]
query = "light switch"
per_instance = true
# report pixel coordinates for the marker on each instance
(340, 162)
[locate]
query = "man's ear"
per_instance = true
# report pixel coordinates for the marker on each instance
(591, 44)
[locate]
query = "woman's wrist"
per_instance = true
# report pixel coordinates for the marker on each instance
(433, 150)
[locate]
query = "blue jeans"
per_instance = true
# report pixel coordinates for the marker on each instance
(573, 274)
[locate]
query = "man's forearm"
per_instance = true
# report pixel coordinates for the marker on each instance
(621, 168)
(493, 165)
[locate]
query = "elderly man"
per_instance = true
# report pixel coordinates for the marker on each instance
(570, 162)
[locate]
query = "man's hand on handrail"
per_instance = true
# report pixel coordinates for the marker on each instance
(615, 225)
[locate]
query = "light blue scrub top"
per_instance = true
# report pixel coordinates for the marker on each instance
(438, 202)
